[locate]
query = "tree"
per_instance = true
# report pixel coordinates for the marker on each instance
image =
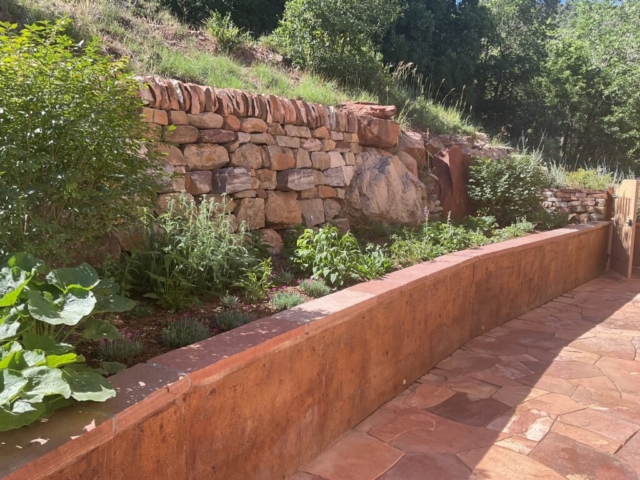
(336, 37)
(71, 138)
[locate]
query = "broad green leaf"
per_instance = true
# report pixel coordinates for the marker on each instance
(77, 304)
(11, 384)
(12, 282)
(11, 325)
(95, 329)
(106, 286)
(14, 359)
(113, 304)
(55, 361)
(53, 403)
(48, 345)
(45, 381)
(111, 368)
(88, 385)
(83, 276)
(34, 358)
(25, 261)
(22, 413)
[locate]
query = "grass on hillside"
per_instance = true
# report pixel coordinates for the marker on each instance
(157, 43)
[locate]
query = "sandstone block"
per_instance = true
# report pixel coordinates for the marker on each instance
(178, 117)
(409, 162)
(328, 145)
(152, 115)
(197, 183)
(413, 144)
(231, 180)
(215, 135)
(251, 212)
(312, 212)
(337, 136)
(309, 193)
(325, 191)
(320, 160)
(296, 179)
(267, 179)
(303, 159)
(336, 160)
(374, 132)
(206, 120)
(349, 158)
(223, 204)
(244, 137)
(332, 209)
(246, 194)
(282, 209)
(342, 224)
(232, 123)
(434, 146)
(339, 176)
(174, 183)
(173, 156)
(180, 134)
(318, 177)
(341, 193)
(342, 147)
(273, 240)
(276, 129)
(295, 131)
(322, 133)
(253, 125)
(262, 139)
(312, 145)
(280, 158)
(290, 142)
(205, 156)
(248, 156)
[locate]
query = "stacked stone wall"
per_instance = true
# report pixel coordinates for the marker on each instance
(279, 162)
(581, 205)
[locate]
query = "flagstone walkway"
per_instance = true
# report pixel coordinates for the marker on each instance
(554, 394)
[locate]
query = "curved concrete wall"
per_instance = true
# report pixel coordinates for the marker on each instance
(258, 402)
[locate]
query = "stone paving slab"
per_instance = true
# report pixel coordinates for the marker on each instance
(553, 394)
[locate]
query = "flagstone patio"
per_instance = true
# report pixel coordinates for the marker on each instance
(553, 394)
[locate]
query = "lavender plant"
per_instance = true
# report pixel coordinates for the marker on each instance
(183, 332)
(121, 349)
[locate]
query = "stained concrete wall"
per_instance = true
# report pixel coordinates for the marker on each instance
(258, 402)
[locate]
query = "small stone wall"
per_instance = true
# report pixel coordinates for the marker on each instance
(581, 205)
(280, 162)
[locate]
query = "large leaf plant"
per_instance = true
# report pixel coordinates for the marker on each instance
(41, 316)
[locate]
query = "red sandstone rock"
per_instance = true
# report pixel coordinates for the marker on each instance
(452, 170)
(369, 109)
(374, 132)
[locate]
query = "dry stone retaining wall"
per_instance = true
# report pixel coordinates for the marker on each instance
(279, 162)
(581, 205)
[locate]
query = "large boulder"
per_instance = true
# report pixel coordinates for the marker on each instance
(452, 169)
(383, 190)
(413, 144)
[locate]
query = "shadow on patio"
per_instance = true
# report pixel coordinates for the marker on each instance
(552, 394)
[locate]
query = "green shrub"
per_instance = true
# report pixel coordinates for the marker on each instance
(335, 37)
(183, 332)
(40, 311)
(545, 220)
(141, 311)
(189, 251)
(229, 320)
(228, 37)
(507, 189)
(314, 288)
(121, 349)
(256, 281)
(70, 137)
(519, 229)
(338, 258)
(286, 300)
(591, 179)
(439, 238)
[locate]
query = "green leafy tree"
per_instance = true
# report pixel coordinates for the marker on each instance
(336, 37)
(71, 143)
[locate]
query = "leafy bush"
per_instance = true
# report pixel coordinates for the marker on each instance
(256, 281)
(229, 320)
(286, 300)
(507, 189)
(545, 220)
(121, 349)
(40, 312)
(70, 143)
(338, 259)
(189, 251)
(519, 229)
(314, 288)
(335, 37)
(141, 311)
(228, 37)
(183, 332)
(591, 179)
